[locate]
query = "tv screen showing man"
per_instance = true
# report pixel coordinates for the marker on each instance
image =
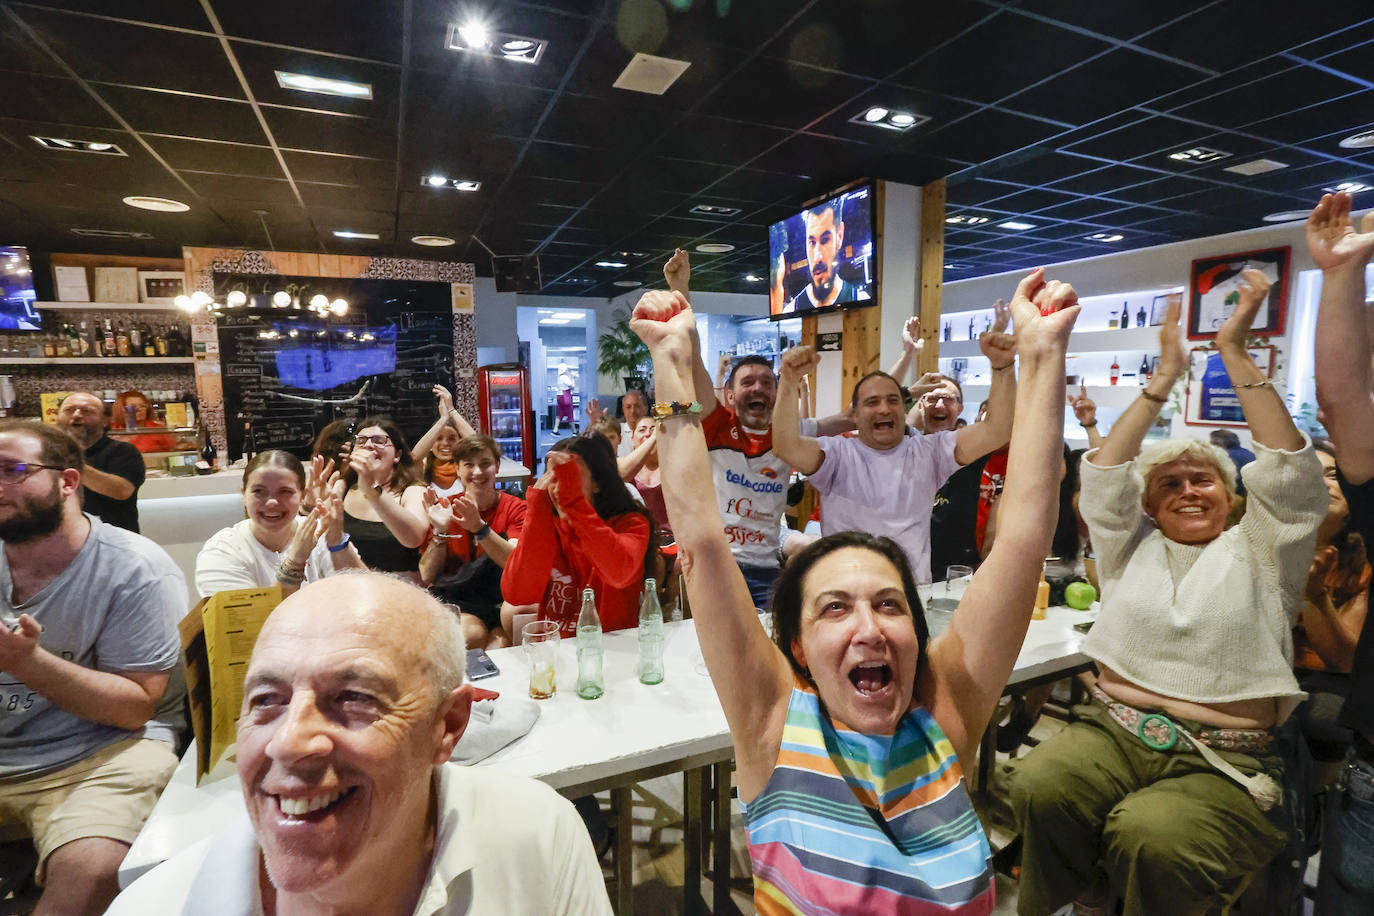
(835, 238)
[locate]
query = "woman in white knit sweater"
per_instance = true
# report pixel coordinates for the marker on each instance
(1163, 792)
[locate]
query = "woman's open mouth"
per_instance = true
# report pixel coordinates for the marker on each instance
(871, 679)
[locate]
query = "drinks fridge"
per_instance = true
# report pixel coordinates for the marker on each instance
(503, 394)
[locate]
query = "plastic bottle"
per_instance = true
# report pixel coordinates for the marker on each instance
(1042, 597)
(591, 675)
(650, 635)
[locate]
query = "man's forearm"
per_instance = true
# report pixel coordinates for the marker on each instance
(106, 484)
(98, 696)
(1343, 370)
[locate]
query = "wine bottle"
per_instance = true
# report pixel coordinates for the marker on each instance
(122, 339)
(1143, 376)
(1116, 370)
(110, 348)
(1140, 317)
(1125, 315)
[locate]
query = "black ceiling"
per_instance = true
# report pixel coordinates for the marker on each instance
(1057, 112)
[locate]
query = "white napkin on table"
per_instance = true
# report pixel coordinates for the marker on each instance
(493, 725)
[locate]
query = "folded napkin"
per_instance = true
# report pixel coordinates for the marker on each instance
(494, 723)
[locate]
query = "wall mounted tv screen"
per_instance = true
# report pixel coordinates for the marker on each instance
(822, 259)
(16, 291)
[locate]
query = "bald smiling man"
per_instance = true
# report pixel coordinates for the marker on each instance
(353, 702)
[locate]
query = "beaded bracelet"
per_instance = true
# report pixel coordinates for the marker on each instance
(290, 576)
(1145, 393)
(664, 410)
(1262, 383)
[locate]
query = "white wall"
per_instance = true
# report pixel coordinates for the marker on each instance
(899, 289)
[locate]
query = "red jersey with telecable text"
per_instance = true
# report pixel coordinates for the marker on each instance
(751, 486)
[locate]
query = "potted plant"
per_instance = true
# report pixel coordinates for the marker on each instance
(623, 354)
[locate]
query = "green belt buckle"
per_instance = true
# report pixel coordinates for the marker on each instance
(1156, 721)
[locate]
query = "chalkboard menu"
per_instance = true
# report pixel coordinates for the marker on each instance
(287, 372)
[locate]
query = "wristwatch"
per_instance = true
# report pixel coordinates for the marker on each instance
(481, 534)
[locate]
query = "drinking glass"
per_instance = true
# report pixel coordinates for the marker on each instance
(957, 572)
(541, 651)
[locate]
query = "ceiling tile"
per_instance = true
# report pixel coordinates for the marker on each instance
(362, 173)
(371, 30)
(797, 95)
(1248, 34)
(228, 158)
(318, 131)
(56, 101)
(1102, 86)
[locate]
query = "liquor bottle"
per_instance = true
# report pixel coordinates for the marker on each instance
(1125, 315)
(96, 340)
(61, 345)
(1143, 376)
(650, 635)
(149, 348)
(970, 329)
(135, 339)
(75, 341)
(110, 348)
(1116, 370)
(1111, 322)
(591, 677)
(160, 341)
(122, 339)
(949, 330)
(1140, 317)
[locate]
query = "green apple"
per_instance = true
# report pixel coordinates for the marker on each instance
(1080, 595)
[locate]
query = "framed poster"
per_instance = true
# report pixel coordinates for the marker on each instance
(160, 285)
(1214, 290)
(1211, 399)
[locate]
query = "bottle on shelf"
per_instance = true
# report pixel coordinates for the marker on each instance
(122, 347)
(160, 341)
(970, 329)
(49, 343)
(110, 346)
(949, 330)
(1116, 370)
(75, 340)
(135, 339)
(1125, 315)
(87, 340)
(650, 635)
(1143, 376)
(591, 676)
(1140, 317)
(1111, 322)
(149, 347)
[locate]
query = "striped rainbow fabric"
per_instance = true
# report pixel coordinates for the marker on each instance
(857, 824)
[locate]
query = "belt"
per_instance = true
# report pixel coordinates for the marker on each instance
(1160, 733)
(1357, 776)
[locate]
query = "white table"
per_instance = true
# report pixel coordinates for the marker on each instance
(634, 732)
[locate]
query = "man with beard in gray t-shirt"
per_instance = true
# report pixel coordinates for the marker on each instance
(92, 689)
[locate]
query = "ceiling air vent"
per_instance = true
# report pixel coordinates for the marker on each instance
(649, 74)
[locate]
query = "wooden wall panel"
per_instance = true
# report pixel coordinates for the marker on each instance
(932, 272)
(861, 345)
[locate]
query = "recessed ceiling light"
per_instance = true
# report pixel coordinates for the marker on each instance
(112, 233)
(1257, 167)
(1286, 216)
(715, 210)
(955, 267)
(475, 38)
(1105, 237)
(455, 184)
(304, 82)
(64, 144)
(1362, 140)
(160, 204)
(436, 181)
(715, 247)
(630, 255)
(1348, 187)
(627, 283)
(753, 279)
(886, 118)
(432, 241)
(615, 265)
(964, 220)
(351, 234)
(1015, 225)
(1199, 154)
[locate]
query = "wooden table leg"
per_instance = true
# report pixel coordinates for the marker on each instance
(624, 850)
(720, 830)
(692, 902)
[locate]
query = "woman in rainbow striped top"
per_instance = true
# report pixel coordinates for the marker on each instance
(848, 729)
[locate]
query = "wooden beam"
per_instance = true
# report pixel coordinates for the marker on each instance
(932, 272)
(860, 347)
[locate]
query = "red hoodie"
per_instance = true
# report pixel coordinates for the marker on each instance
(559, 555)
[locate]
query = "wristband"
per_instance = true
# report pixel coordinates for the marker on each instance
(1147, 395)
(1088, 425)
(664, 410)
(290, 576)
(342, 544)
(481, 534)
(1262, 383)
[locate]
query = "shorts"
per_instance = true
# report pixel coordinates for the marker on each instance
(108, 794)
(489, 614)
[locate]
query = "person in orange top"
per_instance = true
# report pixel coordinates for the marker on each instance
(582, 530)
(143, 418)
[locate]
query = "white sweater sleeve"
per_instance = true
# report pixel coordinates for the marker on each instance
(1285, 502)
(1110, 502)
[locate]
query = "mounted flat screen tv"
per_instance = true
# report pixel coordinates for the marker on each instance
(17, 296)
(823, 258)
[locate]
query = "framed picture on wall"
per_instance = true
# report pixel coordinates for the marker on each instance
(1212, 400)
(160, 285)
(1214, 290)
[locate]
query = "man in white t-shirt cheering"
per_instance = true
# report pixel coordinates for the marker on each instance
(884, 481)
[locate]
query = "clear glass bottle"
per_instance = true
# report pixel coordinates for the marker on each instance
(591, 674)
(650, 635)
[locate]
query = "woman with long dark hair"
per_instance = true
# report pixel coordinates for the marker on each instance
(849, 724)
(582, 530)
(384, 513)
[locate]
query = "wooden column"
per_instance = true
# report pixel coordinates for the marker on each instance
(861, 344)
(932, 272)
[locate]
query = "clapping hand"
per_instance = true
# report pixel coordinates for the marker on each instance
(997, 345)
(1083, 407)
(911, 335)
(368, 466)
(1173, 359)
(1253, 289)
(445, 401)
(1331, 236)
(465, 510)
(437, 508)
(1043, 311)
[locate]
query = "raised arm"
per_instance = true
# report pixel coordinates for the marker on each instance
(1085, 410)
(407, 525)
(912, 344)
(447, 413)
(629, 465)
(750, 675)
(978, 439)
(1123, 442)
(802, 452)
(1265, 412)
(1343, 334)
(678, 272)
(971, 661)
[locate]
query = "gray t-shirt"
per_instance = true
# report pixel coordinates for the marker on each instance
(114, 608)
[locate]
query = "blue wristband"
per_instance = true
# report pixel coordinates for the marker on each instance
(342, 544)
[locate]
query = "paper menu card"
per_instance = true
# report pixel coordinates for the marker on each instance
(71, 283)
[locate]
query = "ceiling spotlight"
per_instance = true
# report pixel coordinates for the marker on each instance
(467, 185)
(236, 298)
(715, 210)
(715, 247)
(876, 113)
(1286, 216)
(455, 184)
(183, 302)
(319, 301)
(1015, 225)
(78, 146)
(159, 204)
(877, 116)
(752, 278)
(200, 299)
(436, 181)
(627, 283)
(1105, 237)
(303, 82)
(476, 38)
(281, 299)
(1199, 154)
(516, 45)
(1362, 140)
(1348, 187)
(903, 120)
(629, 255)
(616, 265)
(474, 35)
(963, 220)
(432, 241)
(1257, 167)
(351, 234)
(955, 267)
(339, 306)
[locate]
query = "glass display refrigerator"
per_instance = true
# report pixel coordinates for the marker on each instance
(503, 395)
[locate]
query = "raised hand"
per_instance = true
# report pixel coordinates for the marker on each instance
(663, 319)
(1001, 315)
(911, 335)
(330, 518)
(1331, 236)
(1173, 359)
(465, 510)
(367, 466)
(323, 477)
(799, 362)
(1253, 289)
(445, 401)
(924, 385)
(723, 366)
(1083, 407)
(440, 515)
(678, 271)
(306, 536)
(594, 410)
(1043, 313)
(997, 345)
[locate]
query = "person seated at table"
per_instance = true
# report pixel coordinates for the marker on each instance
(582, 530)
(92, 690)
(474, 534)
(384, 512)
(143, 419)
(435, 447)
(848, 729)
(274, 544)
(1171, 779)
(642, 467)
(353, 701)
